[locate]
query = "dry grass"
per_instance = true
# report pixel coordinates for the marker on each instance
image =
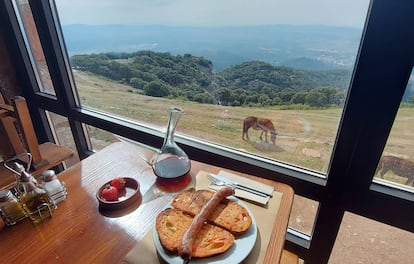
(305, 137)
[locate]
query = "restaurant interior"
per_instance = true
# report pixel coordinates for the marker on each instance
(385, 61)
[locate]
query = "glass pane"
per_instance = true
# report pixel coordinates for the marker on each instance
(63, 135)
(33, 42)
(288, 63)
(303, 214)
(100, 138)
(361, 240)
(397, 162)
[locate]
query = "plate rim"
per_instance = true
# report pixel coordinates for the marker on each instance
(238, 257)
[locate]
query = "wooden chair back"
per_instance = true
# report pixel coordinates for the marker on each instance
(17, 128)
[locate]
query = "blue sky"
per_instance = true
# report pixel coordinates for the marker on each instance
(214, 12)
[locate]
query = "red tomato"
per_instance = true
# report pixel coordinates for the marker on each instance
(118, 183)
(110, 193)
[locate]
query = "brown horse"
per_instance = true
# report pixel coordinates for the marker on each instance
(401, 167)
(259, 124)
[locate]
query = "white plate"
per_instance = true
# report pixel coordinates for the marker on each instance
(241, 248)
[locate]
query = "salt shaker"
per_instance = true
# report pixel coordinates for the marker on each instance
(53, 186)
(10, 208)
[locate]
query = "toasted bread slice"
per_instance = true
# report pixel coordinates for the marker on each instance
(210, 240)
(228, 214)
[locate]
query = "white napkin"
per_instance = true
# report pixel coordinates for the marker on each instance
(247, 182)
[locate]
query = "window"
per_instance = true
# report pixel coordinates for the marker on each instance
(62, 134)
(289, 68)
(358, 136)
(37, 56)
(100, 138)
(396, 166)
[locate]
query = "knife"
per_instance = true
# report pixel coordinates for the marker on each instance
(217, 180)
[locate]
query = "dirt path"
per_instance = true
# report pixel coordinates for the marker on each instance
(360, 240)
(364, 241)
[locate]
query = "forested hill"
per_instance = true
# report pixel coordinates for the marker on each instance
(190, 77)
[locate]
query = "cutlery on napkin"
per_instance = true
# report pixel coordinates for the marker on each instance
(245, 186)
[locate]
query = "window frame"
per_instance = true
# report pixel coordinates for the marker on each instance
(361, 137)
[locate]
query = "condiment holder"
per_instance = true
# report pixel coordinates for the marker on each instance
(34, 200)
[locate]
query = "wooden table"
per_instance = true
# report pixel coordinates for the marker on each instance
(79, 233)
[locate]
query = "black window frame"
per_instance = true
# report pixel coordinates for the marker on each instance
(384, 63)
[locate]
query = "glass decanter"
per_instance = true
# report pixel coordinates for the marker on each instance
(171, 164)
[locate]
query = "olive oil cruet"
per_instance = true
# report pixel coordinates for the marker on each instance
(34, 199)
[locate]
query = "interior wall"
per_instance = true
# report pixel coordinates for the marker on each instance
(9, 88)
(8, 83)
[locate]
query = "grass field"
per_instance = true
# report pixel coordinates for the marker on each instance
(305, 137)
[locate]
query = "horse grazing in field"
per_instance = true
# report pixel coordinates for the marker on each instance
(259, 124)
(401, 167)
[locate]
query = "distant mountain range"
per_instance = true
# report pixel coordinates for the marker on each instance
(303, 47)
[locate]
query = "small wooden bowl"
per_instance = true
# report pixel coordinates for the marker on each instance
(129, 197)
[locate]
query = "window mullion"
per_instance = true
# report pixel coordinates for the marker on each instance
(48, 27)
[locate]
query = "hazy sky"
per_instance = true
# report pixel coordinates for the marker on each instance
(214, 12)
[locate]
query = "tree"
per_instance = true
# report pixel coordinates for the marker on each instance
(339, 98)
(264, 100)
(276, 101)
(329, 93)
(204, 98)
(299, 98)
(286, 95)
(316, 99)
(223, 95)
(252, 99)
(156, 89)
(189, 77)
(137, 83)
